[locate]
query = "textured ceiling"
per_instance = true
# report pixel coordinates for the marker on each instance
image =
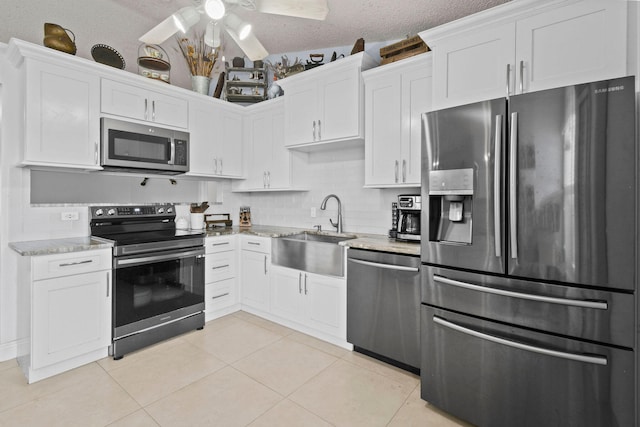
(119, 23)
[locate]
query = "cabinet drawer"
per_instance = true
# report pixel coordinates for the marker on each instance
(220, 266)
(220, 244)
(66, 264)
(219, 295)
(257, 244)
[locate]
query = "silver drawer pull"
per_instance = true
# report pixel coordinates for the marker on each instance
(69, 264)
(597, 360)
(254, 243)
(599, 305)
(220, 296)
(220, 244)
(217, 267)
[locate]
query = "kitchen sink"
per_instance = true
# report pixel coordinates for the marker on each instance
(312, 252)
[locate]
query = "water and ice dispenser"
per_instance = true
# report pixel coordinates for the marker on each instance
(451, 206)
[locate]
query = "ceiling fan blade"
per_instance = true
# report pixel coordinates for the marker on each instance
(310, 9)
(251, 46)
(160, 32)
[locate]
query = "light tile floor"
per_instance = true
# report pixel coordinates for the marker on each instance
(240, 370)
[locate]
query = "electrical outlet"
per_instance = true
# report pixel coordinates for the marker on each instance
(69, 216)
(313, 212)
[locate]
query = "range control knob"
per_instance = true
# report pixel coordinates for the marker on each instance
(111, 212)
(169, 210)
(98, 212)
(160, 210)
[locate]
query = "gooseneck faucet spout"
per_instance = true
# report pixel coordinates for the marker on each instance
(323, 206)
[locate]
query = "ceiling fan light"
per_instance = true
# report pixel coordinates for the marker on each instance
(240, 28)
(185, 18)
(214, 8)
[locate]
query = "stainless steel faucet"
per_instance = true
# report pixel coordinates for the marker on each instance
(323, 206)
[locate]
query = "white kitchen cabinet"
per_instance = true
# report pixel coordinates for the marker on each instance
(62, 116)
(269, 164)
(325, 104)
(141, 103)
(315, 302)
(526, 46)
(396, 95)
(255, 274)
(215, 138)
(221, 295)
(66, 311)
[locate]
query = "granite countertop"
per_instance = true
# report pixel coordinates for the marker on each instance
(58, 246)
(373, 242)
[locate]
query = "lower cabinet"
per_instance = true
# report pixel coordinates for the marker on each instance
(255, 272)
(65, 311)
(316, 302)
(221, 295)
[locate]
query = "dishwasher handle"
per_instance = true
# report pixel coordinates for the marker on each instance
(387, 266)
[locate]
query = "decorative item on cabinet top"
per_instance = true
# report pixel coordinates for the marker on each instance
(153, 62)
(246, 85)
(56, 37)
(411, 46)
(200, 58)
(108, 56)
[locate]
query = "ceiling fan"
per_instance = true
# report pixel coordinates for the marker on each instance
(220, 15)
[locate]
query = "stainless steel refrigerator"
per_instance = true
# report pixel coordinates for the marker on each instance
(530, 258)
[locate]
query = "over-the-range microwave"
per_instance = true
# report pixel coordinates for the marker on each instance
(135, 147)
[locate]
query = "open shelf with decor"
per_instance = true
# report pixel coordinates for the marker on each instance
(246, 85)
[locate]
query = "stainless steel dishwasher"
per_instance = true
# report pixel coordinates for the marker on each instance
(383, 306)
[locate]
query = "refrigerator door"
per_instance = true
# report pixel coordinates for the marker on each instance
(462, 221)
(572, 184)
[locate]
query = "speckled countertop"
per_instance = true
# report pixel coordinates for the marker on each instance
(58, 246)
(373, 242)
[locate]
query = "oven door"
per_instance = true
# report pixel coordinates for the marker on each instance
(156, 288)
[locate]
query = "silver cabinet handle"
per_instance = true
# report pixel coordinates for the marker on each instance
(396, 171)
(319, 130)
(404, 171)
(508, 80)
(597, 360)
(264, 179)
(521, 76)
(70, 264)
(299, 283)
(215, 165)
(265, 265)
(598, 305)
(314, 130)
(220, 296)
(108, 284)
(268, 179)
(220, 244)
(254, 243)
(305, 284)
(386, 266)
(497, 165)
(221, 166)
(153, 111)
(513, 184)
(218, 267)
(146, 109)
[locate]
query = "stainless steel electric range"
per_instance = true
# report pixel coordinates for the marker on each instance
(158, 274)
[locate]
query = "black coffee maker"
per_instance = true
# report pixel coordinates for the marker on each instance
(409, 208)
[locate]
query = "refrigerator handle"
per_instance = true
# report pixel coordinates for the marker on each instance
(496, 185)
(513, 185)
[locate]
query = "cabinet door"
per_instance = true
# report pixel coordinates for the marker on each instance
(301, 113)
(416, 99)
(203, 139)
(382, 129)
(255, 279)
(169, 110)
(219, 266)
(259, 148)
(279, 173)
(473, 66)
(230, 147)
(62, 116)
(71, 317)
(339, 100)
(579, 43)
(326, 303)
(287, 294)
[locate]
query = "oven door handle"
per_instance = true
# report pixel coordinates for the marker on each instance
(597, 360)
(119, 263)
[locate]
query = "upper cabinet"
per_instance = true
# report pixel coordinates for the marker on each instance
(325, 104)
(526, 46)
(215, 135)
(268, 163)
(140, 103)
(396, 95)
(61, 104)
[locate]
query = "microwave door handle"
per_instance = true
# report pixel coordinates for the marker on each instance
(172, 159)
(497, 167)
(513, 184)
